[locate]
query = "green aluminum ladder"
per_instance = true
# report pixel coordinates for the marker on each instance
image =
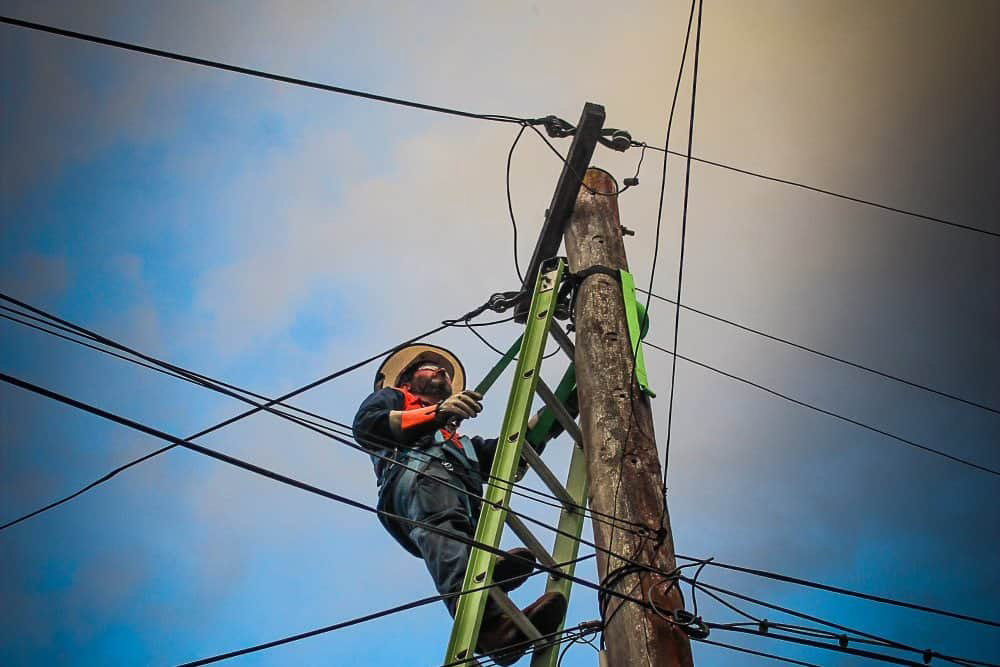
(515, 443)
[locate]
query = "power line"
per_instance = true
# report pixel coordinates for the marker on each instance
(355, 621)
(743, 649)
(831, 193)
(510, 204)
(849, 420)
(208, 430)
(231, 390)
(680, 264)
(596, 516)
(322, 492)
(849, 650)
(882, 641)
(309, 488)
(827, 355)
(170, 55)
(845, 591)
(228, 389)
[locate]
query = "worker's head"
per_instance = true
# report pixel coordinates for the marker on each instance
(428, 378)
(423, 369)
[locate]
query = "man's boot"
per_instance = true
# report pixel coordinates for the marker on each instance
(545, 613)
(514, 568)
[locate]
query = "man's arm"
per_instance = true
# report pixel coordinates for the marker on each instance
(381, 417)
(372, 424)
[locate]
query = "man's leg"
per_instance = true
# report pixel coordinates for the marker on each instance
(430, 501)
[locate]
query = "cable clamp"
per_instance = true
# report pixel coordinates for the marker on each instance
(557, 128)
(691, 625)
(501, 301)
(616, 140)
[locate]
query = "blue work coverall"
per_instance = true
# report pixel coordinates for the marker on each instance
(422, 497)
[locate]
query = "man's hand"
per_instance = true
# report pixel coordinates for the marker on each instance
(460, 406)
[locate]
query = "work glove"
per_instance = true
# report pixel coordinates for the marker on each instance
(460, 406)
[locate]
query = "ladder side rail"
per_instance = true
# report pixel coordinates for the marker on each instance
(469, 613)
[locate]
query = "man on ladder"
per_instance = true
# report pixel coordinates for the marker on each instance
(412, 418)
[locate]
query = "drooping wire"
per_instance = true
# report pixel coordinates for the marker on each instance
(826, 355)
(169, 55)
(510, 204)
(680, 265)
(849, 420)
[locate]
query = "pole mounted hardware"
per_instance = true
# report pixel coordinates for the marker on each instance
(585, 138)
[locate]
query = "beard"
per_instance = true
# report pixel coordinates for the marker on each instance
(436, 386)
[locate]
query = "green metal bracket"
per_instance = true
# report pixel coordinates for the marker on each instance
(469, 614)
(635, 331)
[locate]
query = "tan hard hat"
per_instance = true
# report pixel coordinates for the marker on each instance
(402, 358)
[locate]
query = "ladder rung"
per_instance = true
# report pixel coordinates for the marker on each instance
(508, 607)
(529, 540)
(553, 403)
(556, 331)
(529, 454)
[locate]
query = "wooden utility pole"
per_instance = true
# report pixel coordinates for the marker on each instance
(617, 426)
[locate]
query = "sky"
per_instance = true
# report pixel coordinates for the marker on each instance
(267, 235)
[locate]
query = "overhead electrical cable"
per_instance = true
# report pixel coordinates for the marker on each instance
(744, 649)
(231, 391)
(843, 591)
(680, 263)
(882, 641)
(309, 488)
(826, 355)
(438, 109)
(849, 420)
(323, 429)
(831, 193)
(354, 621)
(510, 205)
(170, 55)
(849, 650)
(596, 516)
(318, 491)
(210, 429)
